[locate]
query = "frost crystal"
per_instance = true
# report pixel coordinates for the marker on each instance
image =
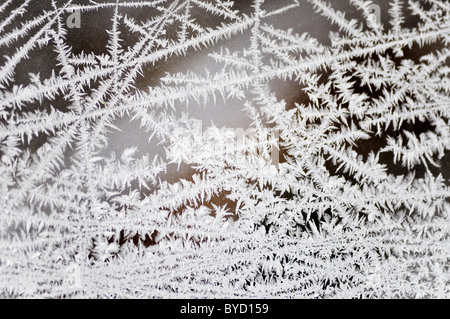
(205, 148)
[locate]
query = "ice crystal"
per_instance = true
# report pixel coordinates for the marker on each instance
(205, 148)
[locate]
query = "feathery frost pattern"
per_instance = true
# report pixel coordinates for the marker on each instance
(339, 189)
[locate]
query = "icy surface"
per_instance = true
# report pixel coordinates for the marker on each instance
(205, 148)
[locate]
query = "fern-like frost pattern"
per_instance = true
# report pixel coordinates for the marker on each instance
(208, 149)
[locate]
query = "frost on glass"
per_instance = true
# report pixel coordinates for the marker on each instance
(205, 148)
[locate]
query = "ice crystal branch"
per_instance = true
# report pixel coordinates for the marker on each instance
(339, 189)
